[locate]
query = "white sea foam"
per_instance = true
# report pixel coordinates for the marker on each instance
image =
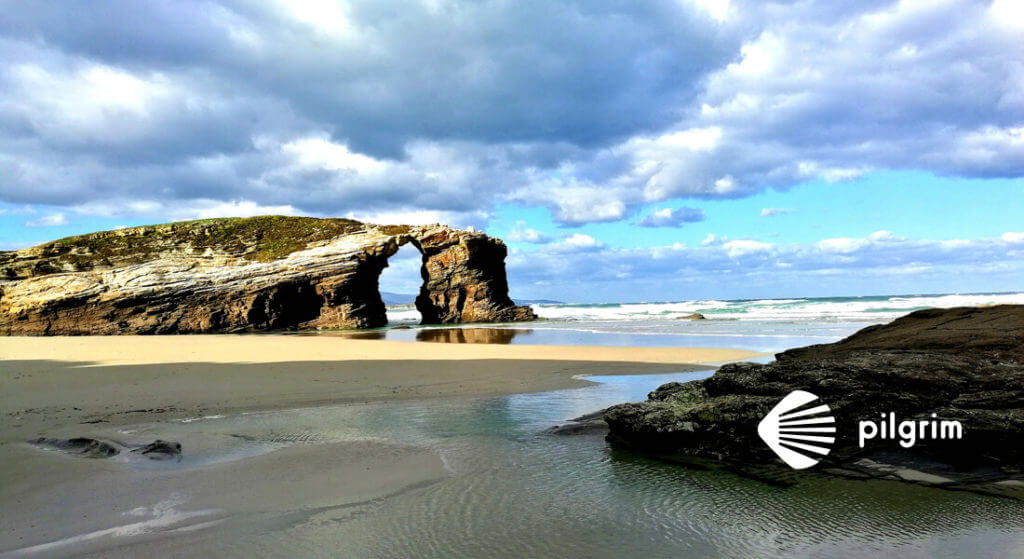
(191, 419)
(163, 516)
(846, 309)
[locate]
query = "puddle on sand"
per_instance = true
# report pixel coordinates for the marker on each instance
(515, 491)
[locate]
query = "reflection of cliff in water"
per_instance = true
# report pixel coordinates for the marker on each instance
(469, 335)
(369, 335)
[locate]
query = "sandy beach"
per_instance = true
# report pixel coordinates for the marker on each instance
(64, 380)
(105, 387)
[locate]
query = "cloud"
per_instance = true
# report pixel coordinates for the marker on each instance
(711, 240)
(668, 217)
(577, 242)
(772, 212)
(49, 220)
(523, 234)
(881, 263)
(338, 108)
(21, 210)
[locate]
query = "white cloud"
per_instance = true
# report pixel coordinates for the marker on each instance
(881, 263)
(420, 217)
(49, 220)
(711, 239)
(192, 209)
(19, 210)
(743, 247)
(326, 17)
(1009, 13)
(573, 202)
(717, 9)
(842, 244)
(1013, 238)
(577, 242)
(523, 234)
(771, 212)
(669, 217)
(242, 209)
(321, 153)
(330, 107)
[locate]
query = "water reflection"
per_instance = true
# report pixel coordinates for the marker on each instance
(709, 335)
(514, 491)
(469, 335)
(367, 335)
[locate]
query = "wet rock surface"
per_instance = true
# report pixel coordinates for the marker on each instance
(963, 364)
(160, 450)
(587, 424)
(78, 446)
(86, 447)
(251, 274)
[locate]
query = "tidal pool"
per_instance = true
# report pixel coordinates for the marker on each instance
(515, 491)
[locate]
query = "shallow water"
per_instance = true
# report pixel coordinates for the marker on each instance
(514, 491)
(766, 325)
(754, 336)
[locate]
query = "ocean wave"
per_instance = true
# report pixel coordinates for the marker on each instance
(853, 309)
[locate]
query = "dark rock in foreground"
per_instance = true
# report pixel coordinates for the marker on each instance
(160, 450)
(94, 448)
(78, 446)
(963, 364)
(235, 275)
(588, 424)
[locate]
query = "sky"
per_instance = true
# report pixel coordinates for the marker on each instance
(625, 151)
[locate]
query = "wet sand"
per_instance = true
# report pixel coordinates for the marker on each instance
(64, 380)
(105, 387)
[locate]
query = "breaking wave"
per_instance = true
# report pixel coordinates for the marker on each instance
(837, 309)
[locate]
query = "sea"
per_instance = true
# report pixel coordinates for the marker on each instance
(513, 489)
(516, 491)
(764, 325)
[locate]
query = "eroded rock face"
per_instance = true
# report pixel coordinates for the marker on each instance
(964, 364)
(464, 279)
(233, 275)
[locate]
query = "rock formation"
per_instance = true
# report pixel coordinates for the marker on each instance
(235, 275)
(94, 448)
(964, 364)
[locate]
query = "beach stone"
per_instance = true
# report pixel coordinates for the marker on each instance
(963, 364)
(246, 274)
(160, 450)
(78, 446)
(588, 424)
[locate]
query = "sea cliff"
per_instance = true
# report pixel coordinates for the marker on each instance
(246, 274)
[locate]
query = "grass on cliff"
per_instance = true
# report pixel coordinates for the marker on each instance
(261, 239)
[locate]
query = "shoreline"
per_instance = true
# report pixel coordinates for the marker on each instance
(104, 387)
(59, 382)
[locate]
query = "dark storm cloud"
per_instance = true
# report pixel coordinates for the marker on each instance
(588, 108)
(387, 72)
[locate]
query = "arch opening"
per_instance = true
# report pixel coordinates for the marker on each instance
(399, 284)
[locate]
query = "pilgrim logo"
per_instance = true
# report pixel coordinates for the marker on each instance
(798, 434)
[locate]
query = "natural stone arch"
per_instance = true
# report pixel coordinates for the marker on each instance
(233, 275)
(463, 277)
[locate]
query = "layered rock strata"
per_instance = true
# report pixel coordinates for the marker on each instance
(251, 274)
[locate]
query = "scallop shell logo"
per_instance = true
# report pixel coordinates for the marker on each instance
(799, 435)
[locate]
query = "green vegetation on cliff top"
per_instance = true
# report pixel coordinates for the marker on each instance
(262, 239)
